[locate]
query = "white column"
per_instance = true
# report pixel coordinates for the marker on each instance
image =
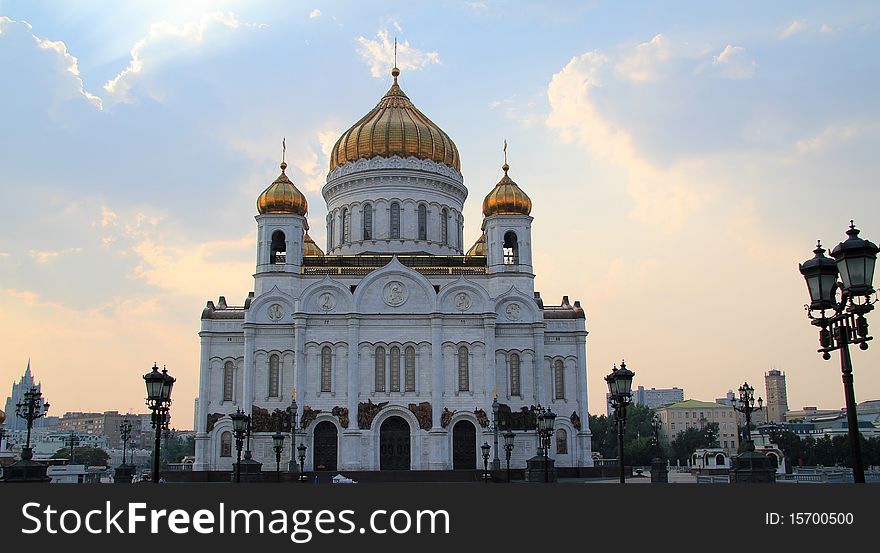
(436, 371)
(541, 385)
(247, 398)
(299, 363)
(202, 440)
(489, 373)
(353, 370)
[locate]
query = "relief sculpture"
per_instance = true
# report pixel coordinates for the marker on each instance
(308, 415)
(264, 421)
(341, 413)
(575, 420)
(367, 412)
(423, 413)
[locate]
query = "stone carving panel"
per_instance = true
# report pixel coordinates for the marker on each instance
(264, 421)
(446, 417)
(513, 311)
(395, 293)
(524, 419)
(213, 418)
(308, 416)
(341, 413)
(327, 301)
(275, 312)
(462, 301)
(575, 420)
(367, 411)
(481, 417)
(424, 414)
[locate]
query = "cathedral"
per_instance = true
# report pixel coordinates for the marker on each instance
(396, 341)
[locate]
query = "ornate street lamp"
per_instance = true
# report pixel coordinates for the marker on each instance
(293, 410)
(854, 261)
(30, 409)
(159, 387)
(123, 472)
(545, 419)
(73, 441)
(486, 447)
(746, 405)
(509, 436)
(240, 424)
(620, 391)
(278, 446)
(301, 451)
(496, 408)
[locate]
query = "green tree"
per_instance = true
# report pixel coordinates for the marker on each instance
(87, 455)
(710, 434)
(637, 436)
(686, 442)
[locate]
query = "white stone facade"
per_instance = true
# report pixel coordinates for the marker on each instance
(453, 329)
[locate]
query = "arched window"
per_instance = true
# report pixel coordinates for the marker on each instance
(444, 226)
(464, 383)
(274, 364)
(561, 441)
(395, 220)
(226, 444)
(719, 460)
(559, 378)
(395, 369)
(514, 375)
(511, 248)
(380, 369)
(343, 219)
(423, 222)
(326, 369)
(278, 248)
(409, 368)
(368, 221)
(228, 380)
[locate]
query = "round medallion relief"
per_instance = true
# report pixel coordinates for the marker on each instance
(275, 312)
(462, 301)
(327, 301)
(513, 311)
(395, 293)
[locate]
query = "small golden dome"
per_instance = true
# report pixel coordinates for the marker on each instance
(395, 128)
(479, 247)
(282, 197)
(310, 248)
(506, 198)
(2, 416)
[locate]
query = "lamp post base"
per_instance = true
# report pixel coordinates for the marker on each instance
(750, 467)
(26, 470)
(123, 474)
(251, 471)
(659, 472)
(539, 469)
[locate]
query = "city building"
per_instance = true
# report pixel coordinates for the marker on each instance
(651, 398)
(25, 383)
(776, 401)
(396, 340)
(809, 413)
(691, 413)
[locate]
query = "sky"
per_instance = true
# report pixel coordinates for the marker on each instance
(682, 158)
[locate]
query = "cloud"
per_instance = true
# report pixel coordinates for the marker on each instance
(479, 7)
(734, 63)
(146, 51)
(314, 13)
(66, 62)
(379, 54)
(46, 255)
(825, 29)
(515, 109)
(641, 64)
(793, 28)
(831, 136)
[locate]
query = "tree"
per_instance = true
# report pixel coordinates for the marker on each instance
(710, 434)
(686, 442)
(87, 455)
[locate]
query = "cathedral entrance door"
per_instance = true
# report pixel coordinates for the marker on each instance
(394, 444)
(324, 452)
(464, 446)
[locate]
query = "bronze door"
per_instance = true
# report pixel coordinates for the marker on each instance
(394, 444)
(325, 450)
(464, 446)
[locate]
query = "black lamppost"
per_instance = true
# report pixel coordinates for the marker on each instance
(124, 472)
(509, 436)
(124, 434)
(240, 425)
(278, 446)
(293, 410)
(486, 447)
(620, 391)
(545, 419)
(30, 409)
(301, 451)
(2, 435)
(159, 387)
(496, 408)
(659, 472)
(746, 405)
(854, 260)
(73, 440)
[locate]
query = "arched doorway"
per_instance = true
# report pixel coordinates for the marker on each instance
(464, 446)
(394, 444)
(325, 450)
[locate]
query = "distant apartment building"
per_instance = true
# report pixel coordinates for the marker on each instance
(107, 424)
(691, 413)
(776, 402)
(651, 398)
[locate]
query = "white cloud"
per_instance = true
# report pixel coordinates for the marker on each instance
(189, 33)
(832, 135)
(314, 13)
(379, 54)
(68, 62)
(480, 7)
(793, 28)
(825, 29)
(3, 254)
(46, 255)
(641, 64)
(516, 109)
(734, 63)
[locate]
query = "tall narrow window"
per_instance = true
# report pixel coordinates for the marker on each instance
(464, 383)
(409, 367)
(226, 444)
(395, 369)
(343, 220)
(228, 380)
(330, 226)
(274, 364)
(444, 226)
(326, 369)
(423, 222)
(511, 248)
(395, 220)
(368, 222)
(514, 375)
(380, 369)
(279, 248)
(559, 378)
(561, 442)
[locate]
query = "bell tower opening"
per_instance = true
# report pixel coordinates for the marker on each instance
(278, 252)
(511, 248)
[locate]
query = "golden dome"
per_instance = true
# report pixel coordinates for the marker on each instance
(2, 416)
(310, 248)
(395, 128)
(479, 247)
(506, 198)
(282, 197)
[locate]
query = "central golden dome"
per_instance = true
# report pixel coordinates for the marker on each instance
(395, 128)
